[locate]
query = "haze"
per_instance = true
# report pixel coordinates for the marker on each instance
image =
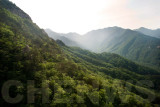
(82, 16)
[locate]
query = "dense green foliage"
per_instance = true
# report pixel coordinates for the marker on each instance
(74, 77)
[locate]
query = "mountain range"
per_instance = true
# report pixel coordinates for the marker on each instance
(128, 43)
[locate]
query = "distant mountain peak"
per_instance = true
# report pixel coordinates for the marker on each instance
(149, 32)
(72, 33)
(142, 28)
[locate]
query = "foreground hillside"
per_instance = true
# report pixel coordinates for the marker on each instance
(30, 60)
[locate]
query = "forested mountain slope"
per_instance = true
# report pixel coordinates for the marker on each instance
(111, 64)
(134, 46)
(33, 60)
(115, 66)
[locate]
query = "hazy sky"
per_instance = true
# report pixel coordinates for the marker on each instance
(82, 16)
